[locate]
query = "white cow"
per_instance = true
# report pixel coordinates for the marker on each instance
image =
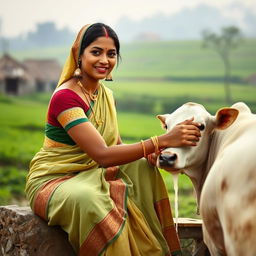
(222, 168)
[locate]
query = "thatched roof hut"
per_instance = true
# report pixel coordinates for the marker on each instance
(14, 76)
(31, 75)
(46, 72)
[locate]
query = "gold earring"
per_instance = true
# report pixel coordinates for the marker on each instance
(78, 72)
(109, 77)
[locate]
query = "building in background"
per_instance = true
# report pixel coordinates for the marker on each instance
(29, 76)
(14, 77)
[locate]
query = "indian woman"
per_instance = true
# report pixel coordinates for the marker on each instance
(104, 194)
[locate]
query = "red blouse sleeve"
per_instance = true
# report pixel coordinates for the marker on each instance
(62, 101)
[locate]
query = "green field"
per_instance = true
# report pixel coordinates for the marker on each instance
(183, 59)
(162, 76)
(22, 126)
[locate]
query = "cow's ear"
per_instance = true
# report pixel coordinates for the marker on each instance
(225, 117)
(162, 118)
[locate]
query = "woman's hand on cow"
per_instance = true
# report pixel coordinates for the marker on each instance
(186, 133)
(152, 158)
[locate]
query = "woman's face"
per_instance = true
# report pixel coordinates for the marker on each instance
(99, 58)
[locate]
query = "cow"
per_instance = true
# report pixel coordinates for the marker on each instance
(222, 168)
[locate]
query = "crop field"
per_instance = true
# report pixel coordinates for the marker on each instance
(152, 78)
(182, 59)
(22, 126)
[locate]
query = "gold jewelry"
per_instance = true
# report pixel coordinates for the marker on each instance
(78, 72)
(144, 148)
(88, 98)
(155, 142)
(92, 96)
(109, 77)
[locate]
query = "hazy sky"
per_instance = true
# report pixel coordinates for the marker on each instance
(21, 16)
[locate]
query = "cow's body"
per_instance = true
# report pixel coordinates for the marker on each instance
(225, 181)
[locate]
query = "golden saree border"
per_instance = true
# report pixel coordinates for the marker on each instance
(71, 115)
(44, 194)
(52, 143)
(164, 214)
(107, 230)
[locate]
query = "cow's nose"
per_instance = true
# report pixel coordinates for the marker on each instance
(167, 160)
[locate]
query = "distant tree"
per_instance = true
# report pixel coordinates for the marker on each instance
(228, 39)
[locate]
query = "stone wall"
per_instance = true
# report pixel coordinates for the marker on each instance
(24, 234)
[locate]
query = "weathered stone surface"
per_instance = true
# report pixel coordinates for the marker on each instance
(24, 234)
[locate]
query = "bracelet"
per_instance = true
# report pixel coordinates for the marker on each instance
(154, 140)
(144, 148)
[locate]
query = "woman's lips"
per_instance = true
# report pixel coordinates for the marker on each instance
(101, 70)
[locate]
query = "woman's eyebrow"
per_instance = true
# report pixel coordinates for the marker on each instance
(99, 48)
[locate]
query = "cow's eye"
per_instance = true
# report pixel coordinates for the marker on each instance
(201, 127)
(165, 127)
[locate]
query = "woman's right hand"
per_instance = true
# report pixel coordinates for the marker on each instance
(186, 133)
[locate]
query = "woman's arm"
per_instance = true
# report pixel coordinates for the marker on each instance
(91, 142)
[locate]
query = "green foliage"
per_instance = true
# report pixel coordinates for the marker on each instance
(12, 183)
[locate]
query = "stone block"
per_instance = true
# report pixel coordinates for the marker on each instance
(22, 233)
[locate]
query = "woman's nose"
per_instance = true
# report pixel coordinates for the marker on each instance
(104, 59)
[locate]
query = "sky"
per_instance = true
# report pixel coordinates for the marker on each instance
(21, 16)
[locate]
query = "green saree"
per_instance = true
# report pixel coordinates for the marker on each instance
(121, 210)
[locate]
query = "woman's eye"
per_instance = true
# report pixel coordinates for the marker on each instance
(112, 54)
(96, 53)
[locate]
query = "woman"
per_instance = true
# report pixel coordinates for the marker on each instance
(104, 194)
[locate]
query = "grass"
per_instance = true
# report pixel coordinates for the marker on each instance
(167, 59)
(22, 134)
(154, 69)
(22, 125)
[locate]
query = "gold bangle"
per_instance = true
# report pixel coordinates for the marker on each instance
(144, 148)
(155, 142)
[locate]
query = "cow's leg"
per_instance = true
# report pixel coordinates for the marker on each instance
(212, 230)
(210, 244)
(214, 240)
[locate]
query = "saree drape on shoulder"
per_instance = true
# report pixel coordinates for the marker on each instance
(114, 211)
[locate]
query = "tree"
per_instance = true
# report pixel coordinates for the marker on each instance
(228, 39)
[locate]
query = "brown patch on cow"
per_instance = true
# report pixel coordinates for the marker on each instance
(248, 227)
(224, 185)
(251, 175)
(251, 198)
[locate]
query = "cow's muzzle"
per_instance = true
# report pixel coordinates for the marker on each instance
(167, 159)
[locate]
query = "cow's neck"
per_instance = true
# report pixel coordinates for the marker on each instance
(196, 179)
(198, 173)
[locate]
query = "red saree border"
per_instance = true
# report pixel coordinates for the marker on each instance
(111, 173)
(109, 228)
(163, 211)
(44, 194)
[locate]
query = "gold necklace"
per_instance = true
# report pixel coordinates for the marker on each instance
(91, 95)
(86, 94)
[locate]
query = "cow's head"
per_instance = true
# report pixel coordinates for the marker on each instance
(191, 160)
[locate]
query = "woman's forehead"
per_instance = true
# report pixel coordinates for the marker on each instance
(103, 43)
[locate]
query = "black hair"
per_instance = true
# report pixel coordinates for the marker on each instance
(98, 30)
